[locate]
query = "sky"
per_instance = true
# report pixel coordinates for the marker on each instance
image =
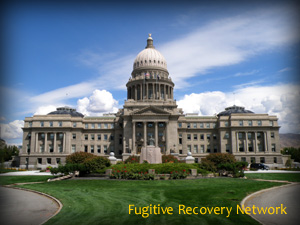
(81, 53)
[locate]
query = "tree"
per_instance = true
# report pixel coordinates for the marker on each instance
(294, 152)
(7, 152)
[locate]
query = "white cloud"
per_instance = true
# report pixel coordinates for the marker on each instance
(12, 130)
(44, 110)
(279, 100)
(101, 101)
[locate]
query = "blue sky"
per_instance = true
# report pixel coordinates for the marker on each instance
(81, 54)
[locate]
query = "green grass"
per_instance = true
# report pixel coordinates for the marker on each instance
(7, 170)
(5, 180)
(293, 177)
(106, 201)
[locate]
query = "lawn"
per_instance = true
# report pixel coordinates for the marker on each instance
(293, 177)
(4, 180)
(107, 201)
(7, 170)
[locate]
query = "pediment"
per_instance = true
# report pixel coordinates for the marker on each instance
(150, 110)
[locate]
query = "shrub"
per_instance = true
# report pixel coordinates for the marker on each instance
(220, 158)
(79, 157)
(96, 163)
(207, 165)
(169, 159)
(132, 159)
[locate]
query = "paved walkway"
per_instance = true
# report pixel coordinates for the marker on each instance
(24, 207)
(27, 173)
(288, 195)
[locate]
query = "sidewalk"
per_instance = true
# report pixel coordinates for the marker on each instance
(27, 173)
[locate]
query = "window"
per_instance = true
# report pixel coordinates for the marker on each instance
(42, 135)
(252, 159)
(208, 136)
(214, 136)
(93, 126)
(28, 148)
(214, 125)
(92, 136)
(85, 148)
(202, 149)
(179, 125)
(273, 147)
(262, 159)
(215, 149)
(74, 136)
(112, 126)
(29, 136)
(249, 122)
(30, 124)
(105, 137)
(51, 136)
(249, 135)
(99, 137)
(226, 123)
(180, 139)
(241, 122)
(57, 160)
(195, 125)
(60, 124)
(39, 160)
(195, 148)
(49, 160)
(189, 148)
(259, 123)
(41, 148)
(188, 125)
(73, 148)
(260, 148)
(259, 135)
(161, 124)
(241, 147)
(227, 147)
(51, 124)
(201, 136)
(60, 149)
(272, 135)
(180, 151)
(189, 137)
(74, 124)
(105, 149)
(99, 125)
(112, 137)
(243, 159)
(42, 124)
(208, 125)
(86, 137)
(250, 147)
(105, 126)
(201, 125)
(86, 126)
(275, 160)
(92, 148)
(60, 135)
(240, 135)
(208, 148)
(226, 136)
(140, 125)
(195, 137)
(150, 125)
(112, 149)
(50, 148)
(271, 123)
(98, 148)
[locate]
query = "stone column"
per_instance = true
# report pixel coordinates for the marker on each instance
(141, 92)
(37, 142)
(145, 134)
(133, 138)
(246, 148)
(128, 93)
(153, 91)
(147, 91)
(265, 142)
(135, 92)
(46, 145)
(167, 145)
(64, 142)
(54, 143)
(237, 141)
(32, 142)
(159, 92)
(156, 134)
(165, 92)
(255, 143)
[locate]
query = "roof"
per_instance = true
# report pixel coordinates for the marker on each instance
(233, 110)
(66, 110)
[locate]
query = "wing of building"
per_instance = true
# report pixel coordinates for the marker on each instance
(150, 113)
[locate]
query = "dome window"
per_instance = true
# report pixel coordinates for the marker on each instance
(154, 61)
(149, 61)
(141, 62)
(158, 61)
(145, 61)
(137, 63)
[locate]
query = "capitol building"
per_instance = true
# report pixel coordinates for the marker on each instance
(150, 113)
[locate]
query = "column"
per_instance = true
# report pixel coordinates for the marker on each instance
(246, 148)
(159, 92)
(135, 92)
(45, 145)
(167, 145)
(156, 135)
(147, 91)
(37, 142)
(165, 92)
(265, 142)
(133, 138)
(64, 142)
(237, 141)
(32, 142)
(54, 143)
(255, 144)
(153, 93)
(145, 134)
(141, 92)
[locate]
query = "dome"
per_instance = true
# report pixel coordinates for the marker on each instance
(234, 109)
(66, 110)
(150, 57)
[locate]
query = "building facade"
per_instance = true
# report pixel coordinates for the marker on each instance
(150, 112)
